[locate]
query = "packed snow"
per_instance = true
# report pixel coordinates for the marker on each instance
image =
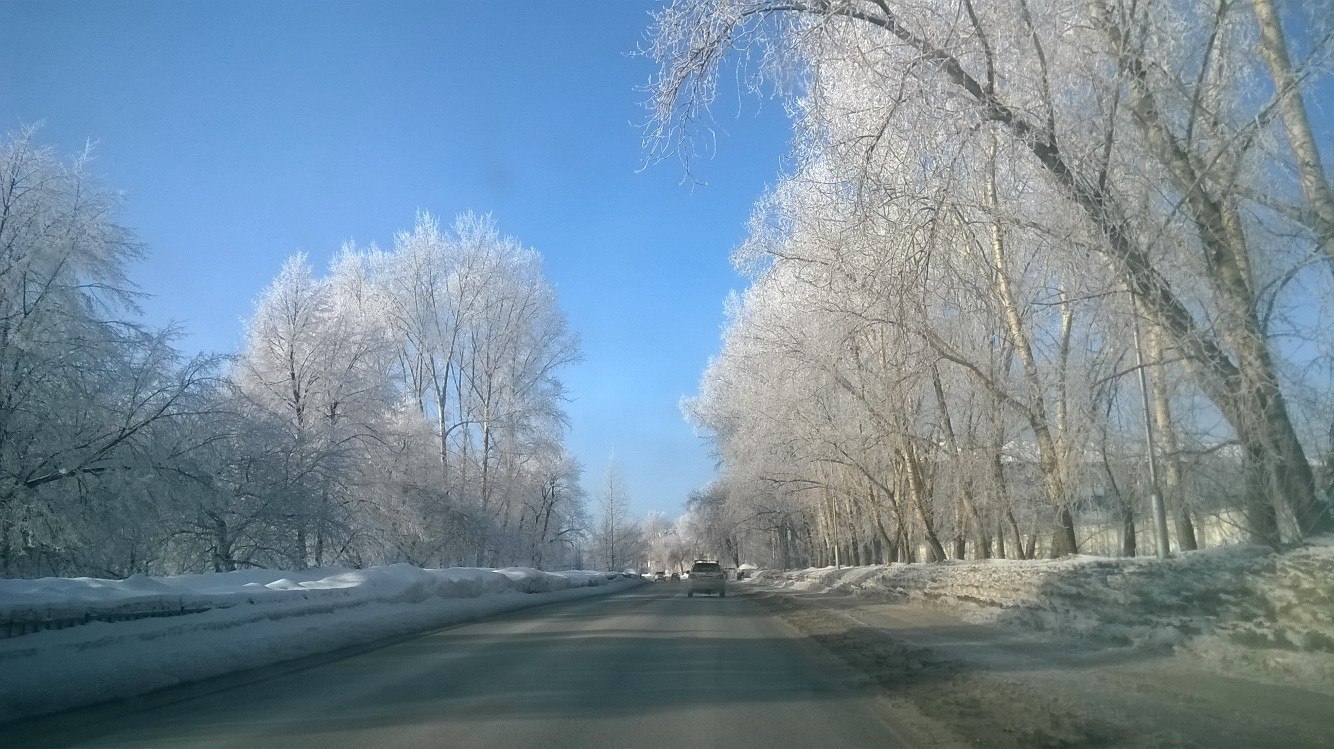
(1241, 607)
(245, 620)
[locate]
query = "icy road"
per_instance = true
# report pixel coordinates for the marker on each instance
(649, 667)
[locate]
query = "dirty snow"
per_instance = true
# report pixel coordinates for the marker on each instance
(1224, 647)
(254, 618)
(1239, 607)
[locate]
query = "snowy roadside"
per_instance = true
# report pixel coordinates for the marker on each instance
(254, 618)
(1238, 608)
(1013, 688)
(1087, 651)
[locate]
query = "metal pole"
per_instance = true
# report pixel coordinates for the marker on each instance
(1155, 495)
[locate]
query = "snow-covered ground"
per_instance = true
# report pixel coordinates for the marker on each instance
(253, 618)
(1237, 607)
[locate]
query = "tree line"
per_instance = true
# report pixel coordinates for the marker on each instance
(1030, 266)
(405, 406)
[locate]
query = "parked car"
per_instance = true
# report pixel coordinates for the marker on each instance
(659, 577)
(676, 577)
(707, 577)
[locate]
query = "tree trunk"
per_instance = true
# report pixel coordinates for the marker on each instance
(966, 494)
(1020, 551)
(884, 539)
(1128, 540)
(1174, 487)
(917, 492)
(1247, 390)
(1035, 412)
(6, 550)
(1063, 538)
(1292, 108)
(222, 547)
(444, 437)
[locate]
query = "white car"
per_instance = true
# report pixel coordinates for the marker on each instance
(707, 577)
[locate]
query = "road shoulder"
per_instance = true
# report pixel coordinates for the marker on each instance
(1004, 686)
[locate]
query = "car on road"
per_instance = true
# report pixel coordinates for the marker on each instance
(659, 577)
(707, 577)
(676, 577)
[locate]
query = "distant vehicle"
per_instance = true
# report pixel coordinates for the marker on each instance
(676, 577)
(707, 577)
(659, 576)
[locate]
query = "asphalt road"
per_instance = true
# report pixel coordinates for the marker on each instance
(645, 668)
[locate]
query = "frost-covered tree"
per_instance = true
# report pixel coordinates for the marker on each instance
(481, 339)
(316, 360)
(617, 541)
(404, 406)
(88, 395)
(419, 391)
(553, 519)
(998, 193)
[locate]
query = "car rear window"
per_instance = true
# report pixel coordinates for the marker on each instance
(706, 567)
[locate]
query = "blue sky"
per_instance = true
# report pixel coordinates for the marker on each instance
(242, 132)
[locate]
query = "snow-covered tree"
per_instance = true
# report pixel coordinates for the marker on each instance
(984, 202)
(617, 540)
(88, 395)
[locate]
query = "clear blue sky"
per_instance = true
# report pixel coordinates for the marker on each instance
(244, 131)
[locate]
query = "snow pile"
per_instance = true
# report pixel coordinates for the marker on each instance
(1242, 605)
(246, 619)
(297, 592)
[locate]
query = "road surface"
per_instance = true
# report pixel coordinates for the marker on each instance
(646, 668)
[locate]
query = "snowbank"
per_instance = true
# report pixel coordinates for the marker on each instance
(1239, 605)
(245, 620)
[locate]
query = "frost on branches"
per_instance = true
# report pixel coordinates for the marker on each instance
(404, 407)
(994, 218)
